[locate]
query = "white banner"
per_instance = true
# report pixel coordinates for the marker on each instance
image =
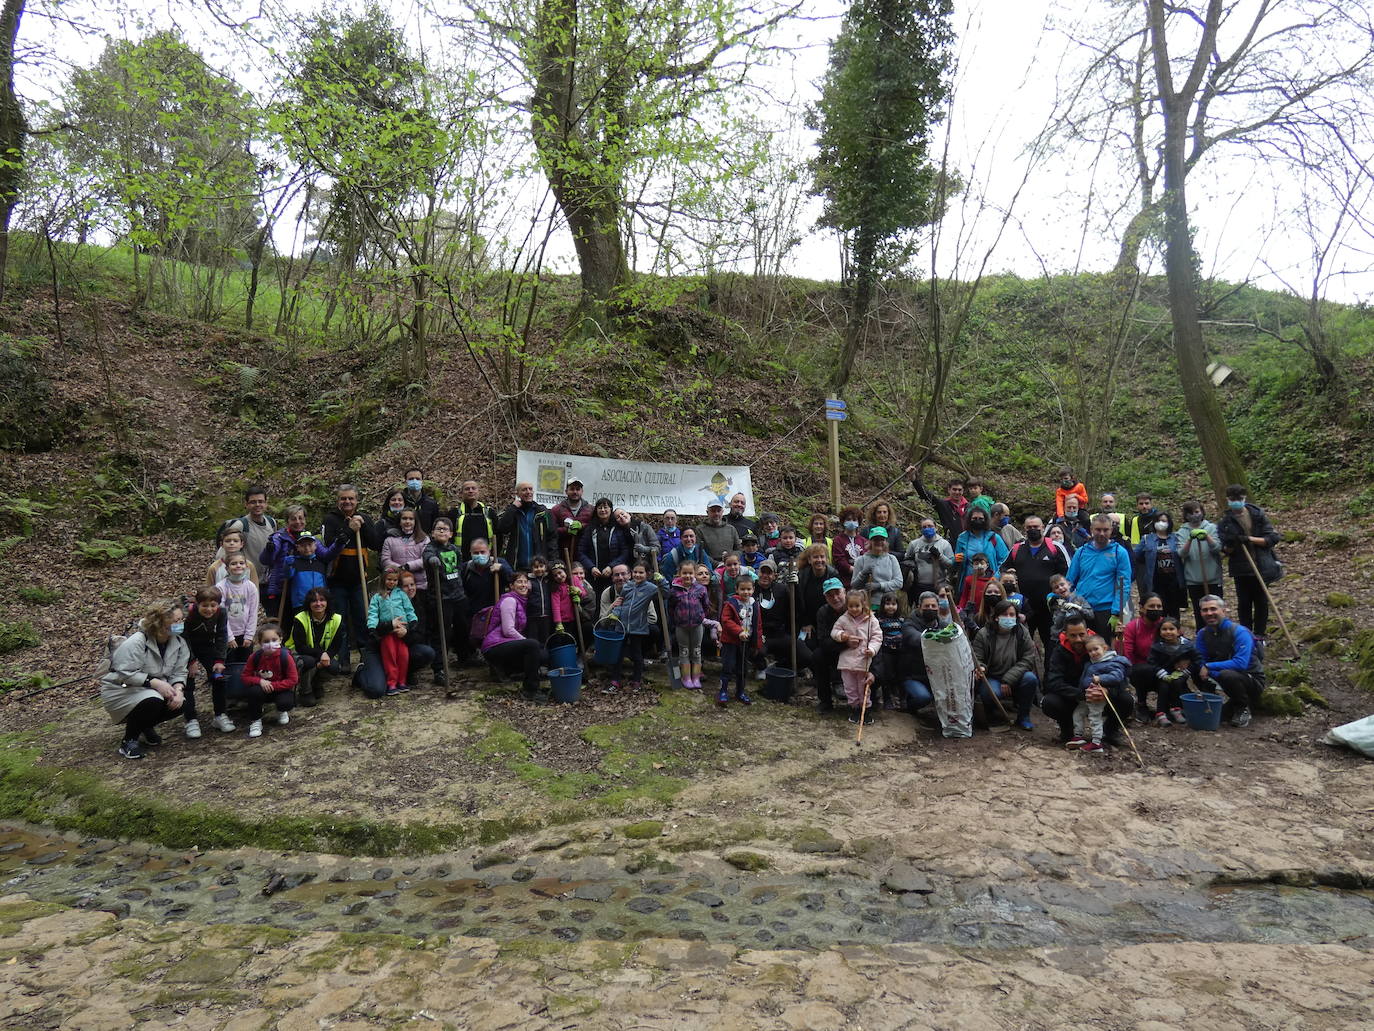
(635, 486)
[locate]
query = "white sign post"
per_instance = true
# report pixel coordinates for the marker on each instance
(635, 486)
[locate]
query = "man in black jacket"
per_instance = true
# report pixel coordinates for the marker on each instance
(742, 523)
(426, 508)
(1248, 537)
(526, 530)
(472, 520)
(781, 621)
(344, 528)
(1063, 672)
(1035, 560)
(826, 650)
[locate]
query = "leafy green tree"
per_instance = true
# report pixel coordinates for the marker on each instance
(172, 139)
(883, 92)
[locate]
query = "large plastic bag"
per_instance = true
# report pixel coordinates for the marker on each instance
(949, 664)
(1358, 735)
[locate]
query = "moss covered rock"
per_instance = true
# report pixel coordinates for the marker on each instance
(1340, 600)
(643, 830)
(1309, 695)
(814, 839)
(1332, 541)
(751, 862)
(1278, 702)
(1363, 654)
(1328, 628)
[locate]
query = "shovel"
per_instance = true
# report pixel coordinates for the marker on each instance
(1000, 728)
(674, 668)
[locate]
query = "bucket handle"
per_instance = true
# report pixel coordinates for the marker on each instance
(612, 618)
(560, 633)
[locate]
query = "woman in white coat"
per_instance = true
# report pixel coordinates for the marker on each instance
(147, 677)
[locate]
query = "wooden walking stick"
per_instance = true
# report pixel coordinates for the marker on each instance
(495, 589)
(1001, 728)
(863, 708)
(1122, 724)
(792, 616)
(1270, 598)
(674, 666)
(362, 566)
(440, 618)
(577, 609)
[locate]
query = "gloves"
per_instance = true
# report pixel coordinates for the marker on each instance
(1115, 624)
(792, 575)
(1199, 535)
(574, 525)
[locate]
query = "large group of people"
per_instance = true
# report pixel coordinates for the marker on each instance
(1080, 615)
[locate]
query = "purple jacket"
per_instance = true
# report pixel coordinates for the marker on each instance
(279, 546)
(511, 624)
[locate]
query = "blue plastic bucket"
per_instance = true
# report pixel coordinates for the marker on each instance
(565, 684)
(1202, 711)
(564, 653)
(608, 642)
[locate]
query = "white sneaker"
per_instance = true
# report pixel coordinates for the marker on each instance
(223, 723)
(283, 718)
(760, 675)
(255, 728)
(193, 729)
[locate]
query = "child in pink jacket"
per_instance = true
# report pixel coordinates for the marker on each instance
(862, 637)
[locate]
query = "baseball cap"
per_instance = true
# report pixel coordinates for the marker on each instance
(575, 482)
(833, 584)
(877, 531)
(305, 535)
(768, 564)
(749, 538)
(714, 504)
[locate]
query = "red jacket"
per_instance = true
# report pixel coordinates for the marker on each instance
(281, 663)
(732, 626)
(1137, 637)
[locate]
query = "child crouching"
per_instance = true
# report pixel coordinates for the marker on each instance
(269, 676)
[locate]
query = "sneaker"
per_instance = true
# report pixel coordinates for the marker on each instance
(193, 729)
(392, 691)
(1176, 715)
(1077, 741)
(636, 685)
(131, 749)
(870, 718)
(283, 718)
(223, 724)
(404, 688)
(154, 738)
(1241, 719)
(1143, 714)
(692, 685)
(1025, 723)
(1161, 720)
(611, 688)
(255, 728)
(723, 698)
(1092, 748)
(743, 698)
(854, 716)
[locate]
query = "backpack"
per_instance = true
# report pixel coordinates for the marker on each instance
(1016, 548)
(240, 523)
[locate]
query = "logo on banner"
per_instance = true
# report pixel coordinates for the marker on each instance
(552, 479)
(719, 487)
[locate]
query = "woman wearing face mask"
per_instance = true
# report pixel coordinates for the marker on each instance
(147, 677)
(392, 507)
(928, 560)
(1005, 659)
(1201, 552)
(975, 619)
(1159, 565)
(848, 544)
(978, 538)
(1137, 638)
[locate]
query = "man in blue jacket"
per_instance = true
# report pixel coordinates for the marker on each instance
(1101, 572)
(1230, 657)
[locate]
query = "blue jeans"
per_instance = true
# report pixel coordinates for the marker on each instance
(348, 603)
(1023, 693)
(918, 694)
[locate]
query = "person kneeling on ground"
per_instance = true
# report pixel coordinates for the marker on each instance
(314, 639)
(269, 676)
(1104, 672)
(1232, 658)
(1005, 656)
(507, 648)
(1063, 683)
(147, 677)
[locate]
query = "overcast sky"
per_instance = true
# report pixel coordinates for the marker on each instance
(1010, 57)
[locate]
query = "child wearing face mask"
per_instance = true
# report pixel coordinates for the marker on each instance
(848, 544)
(1069, 485)
(269, 676)
(1173, 660)
(1200, 551)
(978, 539)
(1158, 564)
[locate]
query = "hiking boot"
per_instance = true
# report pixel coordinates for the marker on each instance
(1242, 718)
(1092, 748)
(1143, 714)
(743, 698)
(1161, 720)
(223, 724)
(1075, 742)
(283, 718)
(193, 729)
(723, 698)
(1114, 740)
(255, 728)
(131, 749)
(1176, 716)
(854, 716)
(154, 738)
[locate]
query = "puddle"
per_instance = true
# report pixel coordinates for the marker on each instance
(539, 899)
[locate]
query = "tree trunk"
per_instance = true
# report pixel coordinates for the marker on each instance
(860, 301)
(255, 260)
(12, 131)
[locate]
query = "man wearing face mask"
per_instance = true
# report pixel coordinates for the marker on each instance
(929, 559)
(911, 666)
(1245, 528)
(1036, 560)
(343, 529)
(480, 581)
(978, 539)
(426, 508)
(1201, 552)
(1141, 521)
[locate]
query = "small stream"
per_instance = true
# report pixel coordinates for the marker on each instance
(544, 897)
